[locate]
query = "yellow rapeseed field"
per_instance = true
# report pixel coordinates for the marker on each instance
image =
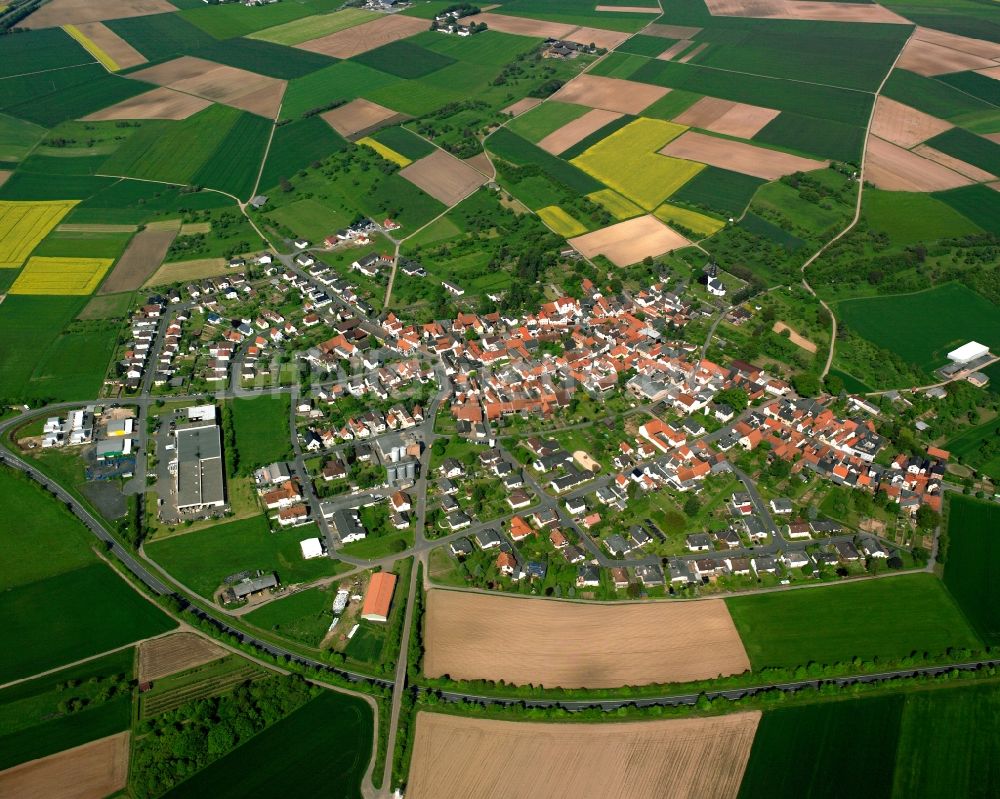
(24, 224)
(91, 47)
(61, 276)
(616, 205)
(386, 152)
(702, 224)
(629, 163)
(561, 222)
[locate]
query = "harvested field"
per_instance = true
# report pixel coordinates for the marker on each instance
(73, 12)
(172, 653)
(979, 47)
(191, 228)
(692, 53)
(523, 26)
(926, 58)
(905, 126)
(121, 52)
(949, 161)
(161, 103)
(727, 117)
(187, 270)
(738, 156)
(629, 242)
(141, 258)
(674, 50)
(700, 758)
(628, 644)
(795, 338)
(444, 177)
(482, 163)
(611, 94)
(92, 771)
(609, 40)
(365, 37)
(993, 72)
(521, 106)
(238, 88)
(579, 129)
(895, 169)
(670, 31)
(4, 174)
(804, 10)
(630, 9)
(357, 117)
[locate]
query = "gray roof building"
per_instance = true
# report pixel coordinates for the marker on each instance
(199, 481)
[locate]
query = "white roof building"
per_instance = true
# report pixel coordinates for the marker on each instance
(968, 352)
(201, 413)
(311, 548)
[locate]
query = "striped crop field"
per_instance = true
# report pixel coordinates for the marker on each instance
(24, 224)
(386, 152)
(65, 276)
(91, 47)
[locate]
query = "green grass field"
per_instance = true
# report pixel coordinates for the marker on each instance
(35, 85)
(71, 616)
(542, 120)
(296, 146)
(923, 327)
(203, 559)
(807, 134)
(261, 426)
(17, 137)
(344, 80)
(978, 203)
(234, 165)
(819, 740)
(235, 19)
(986, 89)
(404, 60)
(303, 617)
(265, 58)
(884, 618)
(908, 218)
(968, 443)
(323, 748)
(719, 190)
(310, 218)
(160, 36)
(302, 30)
(39, 50)
(972, 573)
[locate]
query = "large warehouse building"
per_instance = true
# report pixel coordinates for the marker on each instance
(968, 352)
(379, 596)
(198, 467)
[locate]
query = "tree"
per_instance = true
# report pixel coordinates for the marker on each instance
(806, 384)
(735, 398)
(692, 506)
(927, 517)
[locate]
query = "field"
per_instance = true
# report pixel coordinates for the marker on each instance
(628, 162)
(17, 138)
(404, 60)
(978, 203)
(696, 757)
(627, 243)
(296, 146)
(971, 571)
(821, 738)
(160, 103)
(261, 426)
(78, 100)
(402, 141)
(894, 169)
(902, 125)
(144, 255)
(968, 147)
(692, 220)
(612, 646)
(364, 37)
(939, 99)
(884, 618)
(560, 221)
(203, 559)
(726, 117)
(443, 177)
(94, 49)
(323, 748)
(385, 151)
(173, 653)
(116, 50)
(180, 271)
(921, 328)
(65, 276)
(24, 224)
(301, 30)
(161, 36)
(738, 156)
(234, 165)
(96, 769)
(40, 50)
(611, 94)
(543, 120)
(357, 116)
(511, 147)
(35, 319)
(235, 19)
(110, 306)
(909, 218)
(615, 204)
(61, 12)
(38, 639)
(212, 678)
(719, 190)
(577, 130)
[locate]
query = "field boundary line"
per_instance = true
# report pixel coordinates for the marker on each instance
(267, 150)
(53, 69)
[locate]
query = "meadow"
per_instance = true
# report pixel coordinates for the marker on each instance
(264, 58)
(884, 618)
(203, 559)
(261, 426)
(923, 327)
(48, 624)
(234, 165)
(35, 319)
(24, 224)
(978, 203)
(17, 138)
(972, 574)
(719, 190)
(322, 748)
(907, 218)
(73, 366)
(968, 443)
(297, 145)
(542, 120)
(519, 151)
(820, 739)
(304, 616)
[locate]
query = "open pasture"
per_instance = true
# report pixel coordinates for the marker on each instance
(364, 37)
(295, 146)
(561, 222)
(726, 117)
(66, 276)
(612, 646)
(91, 771)
(695, 757)
(443, 177)
(359, 117)
(628, 162)
(611, 94)
(143, 256)
(302, 30)
(971, 573)
(903, 125)
(577, 130)
(805, 10)
(24, 224)
(172, 653)
(738, 156)
(404, 60)
(833, 624)
(159, 103)
(629, 242)
(73, 12)
(892, 168)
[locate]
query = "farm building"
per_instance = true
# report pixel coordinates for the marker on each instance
(249, 587)
(968, 352)
(379, 597)
(311, 548)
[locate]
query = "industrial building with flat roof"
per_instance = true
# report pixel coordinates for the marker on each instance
(198, 467)
(379, 596)
(968, 352)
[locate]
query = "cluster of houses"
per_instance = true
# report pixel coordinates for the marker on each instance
(559, 48)
(369, 424)
(314, 298)
(281, 494)
(491, 465)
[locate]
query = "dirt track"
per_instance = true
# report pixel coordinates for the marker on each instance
(797, 339)
(92, 771)
(697, 758)
(575, 644)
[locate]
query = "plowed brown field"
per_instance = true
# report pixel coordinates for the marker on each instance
(727, 117)
(444, 177)
(895, 169)
(738, 156)
(172, 653)
(698, 758)
(365, 37)
(803, 9)
(73, 12)
(903, 125)
(91, 771)
(160, 103)
(611, 94)
(575, 644)
(577, 130)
